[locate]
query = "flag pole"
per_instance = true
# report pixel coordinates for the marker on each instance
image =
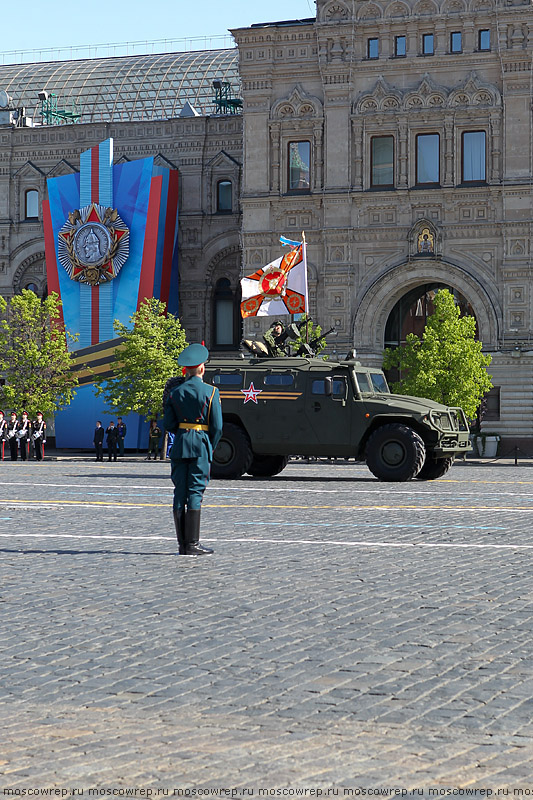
(306, 290)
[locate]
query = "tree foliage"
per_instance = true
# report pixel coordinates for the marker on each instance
(147, 358)
(314, 331)
(34, 358)
(446, 364)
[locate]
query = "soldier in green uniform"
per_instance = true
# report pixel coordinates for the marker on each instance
(272, 339)
(194, 414)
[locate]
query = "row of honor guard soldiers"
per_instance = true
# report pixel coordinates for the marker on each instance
(22, 436)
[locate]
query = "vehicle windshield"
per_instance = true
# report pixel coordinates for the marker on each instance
(379, 383)
(371, 382)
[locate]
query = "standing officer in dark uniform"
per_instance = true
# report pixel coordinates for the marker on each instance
(193, 412)
(112, 437)
(3, 434)
(121, 434)
(38, 436)
(98, 441)
(12, 428)
(23, 435)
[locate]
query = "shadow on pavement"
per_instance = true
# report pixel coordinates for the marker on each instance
(20, 551)
(245, 478)
(305, 479)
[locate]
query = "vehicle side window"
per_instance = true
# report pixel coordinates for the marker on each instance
(339, 388)
(363, 381)
(379, 383)
(227, 379)
(282, 379)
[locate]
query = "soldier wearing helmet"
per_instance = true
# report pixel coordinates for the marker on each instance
(274, 339)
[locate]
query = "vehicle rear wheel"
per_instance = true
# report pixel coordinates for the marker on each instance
(434, 468)
(233, 455)
(267, 466)
(395, 452)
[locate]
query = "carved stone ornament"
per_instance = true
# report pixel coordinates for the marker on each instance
(93, 244)
(297, 104)
(335, 12)
(428, 95)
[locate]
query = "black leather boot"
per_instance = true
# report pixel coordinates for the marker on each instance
(192, 534)
(179, 522)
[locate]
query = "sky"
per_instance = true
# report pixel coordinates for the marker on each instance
(53, 24)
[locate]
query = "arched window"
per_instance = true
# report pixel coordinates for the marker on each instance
(32, 287)
(224, 197)
(31, 209)
(226, 321)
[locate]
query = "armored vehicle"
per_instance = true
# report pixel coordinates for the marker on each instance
(274, 408)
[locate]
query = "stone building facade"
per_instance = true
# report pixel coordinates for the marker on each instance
(410, 122)
(396, 133)
(150, 116)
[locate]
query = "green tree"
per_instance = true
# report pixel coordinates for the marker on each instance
(446, 364)
(146, 359)
(34, 358)
(313, 332)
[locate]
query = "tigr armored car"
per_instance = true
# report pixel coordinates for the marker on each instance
(274, 408)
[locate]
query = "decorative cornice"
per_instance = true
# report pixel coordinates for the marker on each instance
(427, 95)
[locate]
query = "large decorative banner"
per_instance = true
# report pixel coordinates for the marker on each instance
(110, 241)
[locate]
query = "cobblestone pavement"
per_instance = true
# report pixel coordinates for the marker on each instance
(346, 634)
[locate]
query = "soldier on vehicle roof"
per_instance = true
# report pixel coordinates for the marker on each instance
(273, 339)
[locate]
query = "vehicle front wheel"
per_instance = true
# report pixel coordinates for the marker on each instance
(233, 455)
(395, 452)
(434, 468)
(267, 466)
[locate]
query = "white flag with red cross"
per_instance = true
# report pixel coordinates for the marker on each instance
(278, 288)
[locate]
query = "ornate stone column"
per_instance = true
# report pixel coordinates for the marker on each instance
(275, 146)
(318, 136)
(495, 147)
(448, 154)
(403, 133)
(357, 140)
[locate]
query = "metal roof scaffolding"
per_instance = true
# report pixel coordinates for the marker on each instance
(124, 89)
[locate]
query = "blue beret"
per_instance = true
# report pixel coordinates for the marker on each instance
(193, 356)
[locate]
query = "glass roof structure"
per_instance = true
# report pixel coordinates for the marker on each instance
(124, 89)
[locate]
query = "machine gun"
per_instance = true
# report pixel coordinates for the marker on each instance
(311, 348)
(292, 331)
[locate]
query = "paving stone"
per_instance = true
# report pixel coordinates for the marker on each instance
(293, 658)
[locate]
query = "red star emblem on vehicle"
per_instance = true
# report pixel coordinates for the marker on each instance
(251, 393)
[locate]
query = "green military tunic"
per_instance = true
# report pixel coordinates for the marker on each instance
(194, 414)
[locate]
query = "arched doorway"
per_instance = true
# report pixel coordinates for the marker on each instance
(411, 311)
(410, 315)
(379, 295)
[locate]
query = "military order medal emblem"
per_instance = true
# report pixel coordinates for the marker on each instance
(93, 244)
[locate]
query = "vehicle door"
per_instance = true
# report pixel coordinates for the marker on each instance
(329, 400)
(274, 420)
